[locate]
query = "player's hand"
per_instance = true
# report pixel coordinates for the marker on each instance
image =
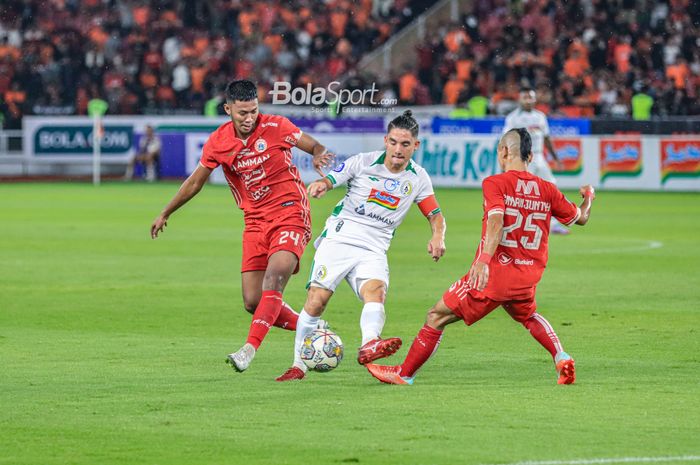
(317, 189)
(158, 225)
(323, 160)
(587, 191)
(436, 248)
(478, 276)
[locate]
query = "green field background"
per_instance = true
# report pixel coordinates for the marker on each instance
(112, 345)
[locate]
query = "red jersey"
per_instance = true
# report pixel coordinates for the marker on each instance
(259, 169)
(527, 203)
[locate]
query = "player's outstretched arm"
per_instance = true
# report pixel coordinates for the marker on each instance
(188, 189)
(479, 272)
(318, 189)
(588, 194)
(436, 246)
(322, 157)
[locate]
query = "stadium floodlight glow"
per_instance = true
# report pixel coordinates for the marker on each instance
(282, 93)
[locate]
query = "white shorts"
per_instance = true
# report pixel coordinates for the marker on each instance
(539, 167)
(334, 261)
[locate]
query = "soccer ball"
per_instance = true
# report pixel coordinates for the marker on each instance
(322, 350)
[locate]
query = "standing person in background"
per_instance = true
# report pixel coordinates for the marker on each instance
(148, 155)
(536, 123)
(255, 153)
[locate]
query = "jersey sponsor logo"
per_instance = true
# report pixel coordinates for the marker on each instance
(406, 188)
(244, 153)
(518, 261)
(259, 194)
(269, 123)
(391, 184)
(339, 168)
(384, 220)
(360, 210)
(287, 204)
(321, 273)
(293, 139)
(253, 176)
(383, 199)
(250, 162)
(527, 188)
(260, 145)
(504, 258)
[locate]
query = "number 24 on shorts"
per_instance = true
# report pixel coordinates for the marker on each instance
(286, 236)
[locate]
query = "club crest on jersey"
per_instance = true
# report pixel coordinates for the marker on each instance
(391, 184)
(260, 145)
(360, 210)
(383, 199)
(406, 188)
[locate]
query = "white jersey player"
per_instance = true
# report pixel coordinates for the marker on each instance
(381, 187)
(536, 124)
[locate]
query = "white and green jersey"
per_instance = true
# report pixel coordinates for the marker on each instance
(376, 202)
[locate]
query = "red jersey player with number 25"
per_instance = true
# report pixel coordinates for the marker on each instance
(255, 153)
(509, 261)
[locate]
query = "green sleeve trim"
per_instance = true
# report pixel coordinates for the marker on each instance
(331, 179)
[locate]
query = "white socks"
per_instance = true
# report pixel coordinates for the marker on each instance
(305, 325)
(371, 321)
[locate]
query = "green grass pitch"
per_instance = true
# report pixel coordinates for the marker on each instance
(112, 345)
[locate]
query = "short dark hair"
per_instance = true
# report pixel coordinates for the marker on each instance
(243, 90)
(405, 121)
(525, 143)
(526, 89)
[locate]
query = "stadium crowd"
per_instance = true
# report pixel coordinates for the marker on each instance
(150, 56)
(585, 57)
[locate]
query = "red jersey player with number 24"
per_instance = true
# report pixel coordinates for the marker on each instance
(509, 261)
(254, 151)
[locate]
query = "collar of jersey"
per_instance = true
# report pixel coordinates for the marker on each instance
(380, 161)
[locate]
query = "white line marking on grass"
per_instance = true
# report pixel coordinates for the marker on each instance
(681, 458)
(646, 245)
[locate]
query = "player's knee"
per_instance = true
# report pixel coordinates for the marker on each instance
(439, 317)
(375, 292)
(250, 305)
(275, 280)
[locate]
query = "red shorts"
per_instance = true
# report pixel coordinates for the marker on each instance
(262, 239)
(471, 305)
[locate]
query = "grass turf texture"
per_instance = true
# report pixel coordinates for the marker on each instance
(113, 345)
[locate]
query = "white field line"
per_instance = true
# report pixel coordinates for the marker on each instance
(646, 245)
(680, 458)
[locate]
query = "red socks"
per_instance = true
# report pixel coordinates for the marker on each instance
(287, 318)
(424, 345)
(543, 332)
(265, 315)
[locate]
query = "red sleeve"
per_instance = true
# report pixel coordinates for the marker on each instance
(493, 197)
(208, 159)
(289, 133)
(565, 211)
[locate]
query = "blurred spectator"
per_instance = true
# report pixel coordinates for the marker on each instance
(147, 155)
(582, 56)
(158, 56)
